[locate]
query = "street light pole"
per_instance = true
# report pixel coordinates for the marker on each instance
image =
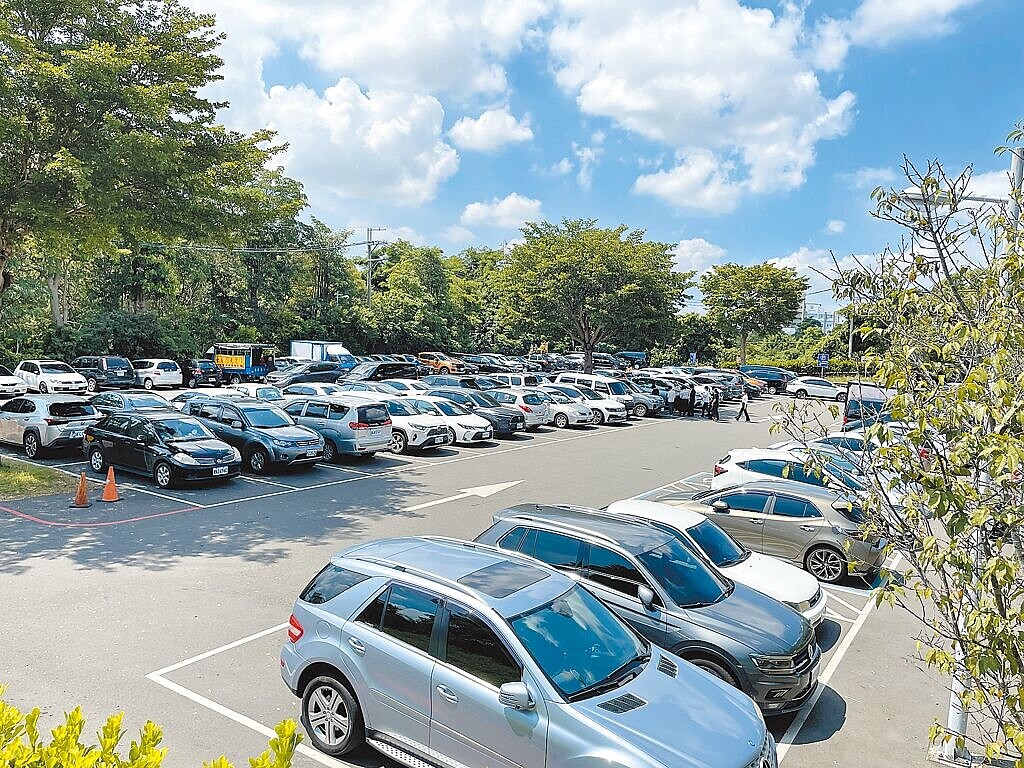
(371, 246)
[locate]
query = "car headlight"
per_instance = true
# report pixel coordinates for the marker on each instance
(237, 453)
(773, 665)
(184, 458)
(468, 426)
(421, 427)
(282, 443)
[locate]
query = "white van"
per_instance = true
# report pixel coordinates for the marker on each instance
(603, 385)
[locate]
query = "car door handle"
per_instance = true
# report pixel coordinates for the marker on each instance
(757, 522)
(357, 646)
(447, 693)
(808, 528)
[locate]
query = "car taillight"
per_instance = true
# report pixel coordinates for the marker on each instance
(924, 453)
(294, 629)
(720, 470)
(52, 421)
(358, 425)
(526, 408)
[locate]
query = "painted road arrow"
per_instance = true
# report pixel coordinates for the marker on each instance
(480, 491)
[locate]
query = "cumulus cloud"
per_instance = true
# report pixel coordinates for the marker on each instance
(726, 86)
(509, 212)
(835, 226)
(995, 184)
(696, 254)
(869, 178)
(458, 235)
(493, 129)
(586, 158)
(561, 168)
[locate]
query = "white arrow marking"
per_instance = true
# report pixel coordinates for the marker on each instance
(481, 491)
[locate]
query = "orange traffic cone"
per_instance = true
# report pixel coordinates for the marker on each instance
(81, 500)
(110, 488)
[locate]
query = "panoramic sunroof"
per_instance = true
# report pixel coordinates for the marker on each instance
(502, 578)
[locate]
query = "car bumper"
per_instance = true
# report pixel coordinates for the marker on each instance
(291, 456)
(120, 383)
(66, 388)
(473, 435)
(203, 474)
(865, 558)
(9, 392)
(291, 668)
(781, 694)
(616, 416)
(364, 446)
(61, 440)
(214, 381)
(579, 419)
(816, 613)
(426, 440)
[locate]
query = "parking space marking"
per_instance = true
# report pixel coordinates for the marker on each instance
(226, 647)
(264, 481)
(842, 602)
(345, 469)
(838, 617)
(859, 591)
(68, 464)
(176, 500)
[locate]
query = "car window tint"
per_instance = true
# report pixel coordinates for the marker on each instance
(766, 467)
(137, 429)
(556, 549)
(117, 424)
(409, 616)
(295, 409)
(13, 406)
(801, 474)
(337, 412)
(614, 571)
(746, 502)
(374, 612)
(208, 410)
(786, 506)
(317, 411)
(473, 647)
(69, 410)
(167, 366)
(329, 583)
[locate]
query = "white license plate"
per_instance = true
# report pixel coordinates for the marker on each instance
(439, 440)
(219, 471)
(313, 452)
(377, 432)
(486, 435)
(78, 433)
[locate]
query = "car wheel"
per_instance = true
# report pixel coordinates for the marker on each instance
(451, 436)
(801, 394)
(43, 389)
(192, 383)
(840, 397)
(561, 420)
(399, 443)
(235, 379)
(444, 371)
(96, 461)
(598, 416)
(640, 410)
(826, 564)
(772, 389)
(332, 717)
(258, 460)
(162, 475)
(31, 444)
(90, 385)
(716, 669)
(330, 451)
(147, 384)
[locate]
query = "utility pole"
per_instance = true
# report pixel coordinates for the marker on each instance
(849, 345)
(371, 246)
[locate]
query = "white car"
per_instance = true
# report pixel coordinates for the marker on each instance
(744, 465)
(311, 390)
(411, 430)
(45, 376)
(153, 373)
(11, 385)
(565, 412)
(604, 409)
(463, 425)
(785, 582)
(535, 410)
(813, 386)
(268, 393)
(406, 385)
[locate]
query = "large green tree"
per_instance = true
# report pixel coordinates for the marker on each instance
(591, 285)
(761, 298)
(104, 133)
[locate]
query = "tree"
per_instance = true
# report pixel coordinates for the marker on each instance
(947, 492)
(761, 298)
(104, 132)
(693, 333)
(575, 280)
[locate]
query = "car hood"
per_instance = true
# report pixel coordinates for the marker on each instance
(289, 432)
(690, 721)
(63, 378)
(209, 448)
(759, 622)
(11, 381)
(421, 418)
(773, 577)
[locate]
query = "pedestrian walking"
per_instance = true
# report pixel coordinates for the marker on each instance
(670, 396)
(744, 401)
(716, 401)
(691, 400)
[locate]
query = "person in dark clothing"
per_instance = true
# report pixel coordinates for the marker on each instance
(691, 400)
(715, 403)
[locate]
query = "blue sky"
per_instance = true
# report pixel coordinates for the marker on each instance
(737, 131)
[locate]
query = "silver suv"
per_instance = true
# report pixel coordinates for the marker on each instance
(43, 422)
(439, 652)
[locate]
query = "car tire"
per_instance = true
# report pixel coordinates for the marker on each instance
(235, 379)
(598, 416)
(444, 371)
(30, 442)
(193, 383)
(772, 389)
(841, 397)
(332, 717)
(561, 420)
(43, 389)
(451, 436)
(258, 460)
(801, 394)
(147, 384)
(826, 564)
(330, 451)
(640, 410)
(90, 385)
(715, 668)
(399, 442)
(97, 462)
(163, 475)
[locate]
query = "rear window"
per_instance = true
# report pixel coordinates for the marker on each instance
(206, 365)
(142, 363)
(118, 362)
(167, 366)
(373, 414)
(329, 583)
(532, 399)
(71, 410)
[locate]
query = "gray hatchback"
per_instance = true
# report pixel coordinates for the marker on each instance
(439, 652)
(674, 598)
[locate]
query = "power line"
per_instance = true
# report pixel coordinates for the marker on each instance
(222, 249)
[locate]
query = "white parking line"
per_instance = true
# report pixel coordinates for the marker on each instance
(68, 464)
(345, 469)
(840, 600)
(175, 499)
(264, 481)
(838, 617)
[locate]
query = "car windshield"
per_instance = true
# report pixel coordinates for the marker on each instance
(56, 368)
(451, 409)
(206, 365)
(423, 406)
(721, 548)
(267, 418)
(578, 642)
(589, 394)
(181, 430)
(363, 368)
(397, 408)
(843, 477)
(5, 371)
(118, 362)
(687, 579)
(483, 400)
(270, 393)
(145, 401)
(617, 388)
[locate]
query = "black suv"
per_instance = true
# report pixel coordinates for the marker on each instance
(483, 363)
(322, 371)
(105, 371)
(165, 445)
(195, 373)
(378, 371)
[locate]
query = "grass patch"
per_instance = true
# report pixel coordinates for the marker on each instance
(19, 480)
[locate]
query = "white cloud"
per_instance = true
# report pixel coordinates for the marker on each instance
(561, 168)
(380, 145)
(587, 158)
(724, 85)
(408, 234)
(493, 129)
(869, 178)
(696, 254)
(509, 212)
(994, 184)
(818, 266)
(835, 226)
(458, 235)
(878, 23)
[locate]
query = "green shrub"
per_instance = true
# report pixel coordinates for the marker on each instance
(21, 745)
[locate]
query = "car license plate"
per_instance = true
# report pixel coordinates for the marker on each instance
(312, 452)
(219, 471)
(377, 432)
(77, 433)
(486, 435)
(439, 440)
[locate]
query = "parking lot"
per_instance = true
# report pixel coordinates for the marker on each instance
(177, 600)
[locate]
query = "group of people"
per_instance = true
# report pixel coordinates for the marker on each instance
(682, 401)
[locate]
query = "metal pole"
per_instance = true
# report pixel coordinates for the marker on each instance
(370, 247)
(849, 345)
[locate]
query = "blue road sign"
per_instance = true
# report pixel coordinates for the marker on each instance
(693, 358)
(823, 359)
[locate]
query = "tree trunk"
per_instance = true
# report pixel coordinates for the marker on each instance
(743, 348)
(57, 313)
(588, 358)
(6, 278)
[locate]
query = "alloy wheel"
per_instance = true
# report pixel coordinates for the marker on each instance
(826, 564)
(257, 460)
(328, 716)
(96, 460)
(398, 442)
(162, 475)
(330, 452)
(148, 384)
(31, 445)
(561, 421)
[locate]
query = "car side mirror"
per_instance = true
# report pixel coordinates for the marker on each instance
(720, 506)
(646, 595)
(146, 439)
(237, 425)
(515, 695)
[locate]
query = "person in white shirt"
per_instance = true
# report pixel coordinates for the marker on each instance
(743, 407)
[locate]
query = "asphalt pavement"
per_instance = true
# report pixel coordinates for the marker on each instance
(171, 606)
